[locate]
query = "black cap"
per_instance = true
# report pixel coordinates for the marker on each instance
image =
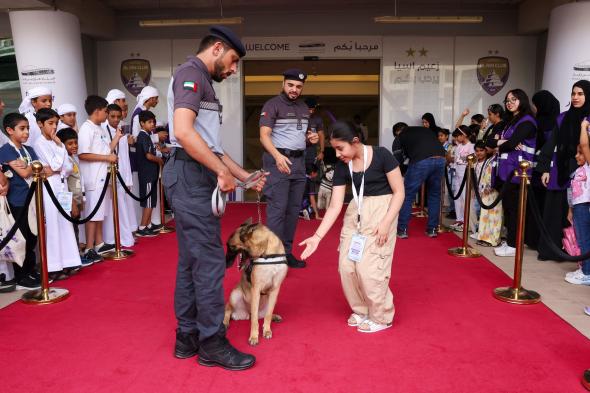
(228, 36)
(295, 74)
(311, 102)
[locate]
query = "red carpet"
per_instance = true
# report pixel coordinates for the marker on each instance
(116, 331)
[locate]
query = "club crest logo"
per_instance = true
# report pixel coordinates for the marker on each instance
(492, 73)
(135, 74)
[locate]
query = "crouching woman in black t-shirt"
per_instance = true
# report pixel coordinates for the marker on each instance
(367, 239)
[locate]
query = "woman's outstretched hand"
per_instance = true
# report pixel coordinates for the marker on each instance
(311, 244)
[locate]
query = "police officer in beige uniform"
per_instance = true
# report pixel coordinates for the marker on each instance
(283, 133)
(196, 166)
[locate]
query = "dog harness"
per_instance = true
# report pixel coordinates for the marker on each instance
(219, 198)
(272, 259)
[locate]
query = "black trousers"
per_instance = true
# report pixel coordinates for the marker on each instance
(31, 242)
(510, 206)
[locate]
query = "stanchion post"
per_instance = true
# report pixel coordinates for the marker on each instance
(421, 211)
(165, 228)
(465, 251)
(46, 294)
(118, 254)
(517, 294)
(441, 228)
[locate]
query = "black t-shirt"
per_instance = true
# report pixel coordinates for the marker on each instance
(375, 177)
(146, 169)
(418, 143)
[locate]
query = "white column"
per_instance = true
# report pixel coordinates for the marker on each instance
(48, 50)
(567, 59)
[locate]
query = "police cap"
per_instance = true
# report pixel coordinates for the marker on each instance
(295, 74)
(228, 36)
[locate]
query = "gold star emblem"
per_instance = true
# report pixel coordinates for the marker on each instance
(423, 52)
(410, 52)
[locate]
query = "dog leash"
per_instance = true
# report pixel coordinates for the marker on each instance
(219, 198)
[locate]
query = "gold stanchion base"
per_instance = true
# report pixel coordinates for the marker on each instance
(119, 255)
(517, 295)
(166, 229)
(586, 379)
(443, 229)
(39, 296)
(464, 252)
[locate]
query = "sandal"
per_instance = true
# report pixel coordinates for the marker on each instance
(369, 326)
(483, 243)
(356, 319)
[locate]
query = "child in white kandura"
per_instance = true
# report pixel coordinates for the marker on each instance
(62, 249)
(367, 239)
(36, 98)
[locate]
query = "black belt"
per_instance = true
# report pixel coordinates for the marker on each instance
(291, 153)
(182, 155)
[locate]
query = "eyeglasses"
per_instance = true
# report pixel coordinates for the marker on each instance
(512, 100)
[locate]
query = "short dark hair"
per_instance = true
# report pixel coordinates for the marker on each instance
(478, 118)
(114, 107)
(145, 116)
(480, 145)
(399, 127)
(11, 120)
(45, 114)
(496, 109)
(210, 40)
(65, 134)
(444, 131)
(93, 103)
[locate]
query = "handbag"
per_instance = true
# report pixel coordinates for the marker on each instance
(570, 244)
(16, 247)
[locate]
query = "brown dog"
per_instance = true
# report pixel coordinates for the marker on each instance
(264, 267)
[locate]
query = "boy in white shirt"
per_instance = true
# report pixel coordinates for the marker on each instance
(95, 151)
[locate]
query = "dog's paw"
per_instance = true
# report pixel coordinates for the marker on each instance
(267, 334)
(253, 341)
(277, 318)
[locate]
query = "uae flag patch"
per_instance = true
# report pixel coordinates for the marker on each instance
(190, 85)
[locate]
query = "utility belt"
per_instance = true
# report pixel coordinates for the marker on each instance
(291, 153)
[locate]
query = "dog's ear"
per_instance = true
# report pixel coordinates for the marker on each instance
(247, 222)
(246, 232)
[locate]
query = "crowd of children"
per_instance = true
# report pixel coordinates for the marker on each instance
(76, 163)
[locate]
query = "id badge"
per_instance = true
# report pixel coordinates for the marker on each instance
(65, 200)
(357, 245)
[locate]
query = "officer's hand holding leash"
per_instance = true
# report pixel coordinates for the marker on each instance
(255, 181)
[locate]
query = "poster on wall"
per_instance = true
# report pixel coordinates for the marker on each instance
(135, 74)
(486, 68)
(417, 78)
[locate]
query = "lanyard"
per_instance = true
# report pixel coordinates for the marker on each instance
(27, 160)
(111, 136)
(359, 198)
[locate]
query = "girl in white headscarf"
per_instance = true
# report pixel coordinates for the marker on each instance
(35, 99)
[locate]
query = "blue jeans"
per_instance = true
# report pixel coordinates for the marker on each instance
(581, 214)
(429, 171)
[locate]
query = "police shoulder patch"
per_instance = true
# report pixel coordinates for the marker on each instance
(190, 85)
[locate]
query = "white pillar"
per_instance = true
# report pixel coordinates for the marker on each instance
(48, 48)
(567, 59)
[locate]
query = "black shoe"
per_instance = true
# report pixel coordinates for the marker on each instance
(431, 232)
(402, 233)
(28, 283)
(7, 285)
(217, 351)
(294, 262)
(187, 344)
(37, 276)
(145, 232)
(104, 248)
(92, 256)
(155, 228)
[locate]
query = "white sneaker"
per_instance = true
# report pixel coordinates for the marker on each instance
(507, 251)
(501, 246)
(578, 278)
(572, 274)
(474, 236)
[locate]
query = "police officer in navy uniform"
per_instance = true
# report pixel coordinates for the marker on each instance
(284, 132)
(196, 166)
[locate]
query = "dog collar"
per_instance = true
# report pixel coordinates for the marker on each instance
(219, 198)
(270, 260)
